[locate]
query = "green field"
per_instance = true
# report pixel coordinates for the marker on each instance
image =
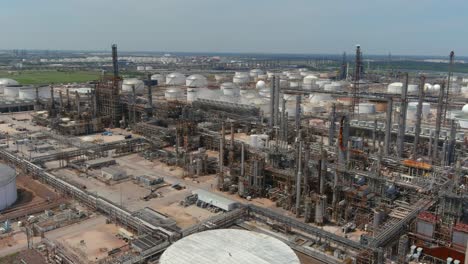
(48, 77)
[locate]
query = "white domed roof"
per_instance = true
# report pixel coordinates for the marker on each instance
(196, 80)
(229, 246)
(256, 72)
(260, 85)
(465, 109)
(158, 77)
(395, 88)
(175, 78)
(6, 82)
(128, 84)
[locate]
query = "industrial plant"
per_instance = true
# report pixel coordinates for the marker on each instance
(196, 159)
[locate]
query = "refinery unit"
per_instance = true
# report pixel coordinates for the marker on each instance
(253, 162)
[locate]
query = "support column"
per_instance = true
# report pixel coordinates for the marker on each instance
(418, 117)
(388, 127)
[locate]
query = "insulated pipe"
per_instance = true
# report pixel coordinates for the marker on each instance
(298, 180)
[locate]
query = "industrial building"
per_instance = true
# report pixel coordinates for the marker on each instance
(257, 162)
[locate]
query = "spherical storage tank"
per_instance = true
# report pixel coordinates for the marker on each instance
(175, 78)
(6, 82)
(128, 84)
(229, 246)
(8, 193)
(158, 77)
(260, 85)
(196, 80)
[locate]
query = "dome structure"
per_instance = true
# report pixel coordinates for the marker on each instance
(128, 84)
(229, 89)
(11, 91)
(241, 78)
(255, 73)
(6, 82)
(8, 194)
(175, 78)
(260, 85)
(173, 94)
(196, 80)
(158, 77)
(465, 109)
(229, 246)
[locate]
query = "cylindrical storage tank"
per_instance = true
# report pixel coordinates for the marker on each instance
(27, 93)
(241, 78)
(412, 110)
(333, 87)
(140, 68)
(44, 92)
(255, 73)
(158, 77)
(173, 94)
(128, 84)
(175, 78)
(270, 75)
(455, 88)
(320, 98)
(262, 77)
(148, 68)
(265, 92)
(413, 88)
(196, 80)
(395, 88)
(309, 79)
(8, 192)
(11, 91)
(191, 94)
(464, 91)
(260, 85)
(365, 108)
(209, 94)
(6, 82)
(238, 246)
(321, 83)
(229, 89)
(219, 78)
(290, 109)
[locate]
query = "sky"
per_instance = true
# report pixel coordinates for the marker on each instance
(405, 27)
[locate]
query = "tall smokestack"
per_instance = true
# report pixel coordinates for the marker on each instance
(115, 62)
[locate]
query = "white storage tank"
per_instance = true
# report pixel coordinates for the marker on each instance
(192, 94)
(27, 93)
(44, 92)
(11, 91)
(413, 88)
(309, 81)
(128, 84)
(175, 78)
(173, 94)
(158, 77)
(260, 85)
(241, 78)
(320, 98)
(229, 246)
(333, 87)
(229, 89)
(255, 73)
(395, 88)
(321, 83)
(219, 78)
(6, 82)
(148, 68)
(365, 108)
(8, 194)
(196, 80)
(412, 110)
(270, 74)
(140, 68)
(265, 92)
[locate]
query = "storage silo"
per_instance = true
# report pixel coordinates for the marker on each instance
(27, 93)
(173, 94)
(412, 111)
(128, 84)
(395, 88)
(8, 194)
(229, 89)
(6, 82)
(255, 73)
(241, 78)
(44, 92)
(260, 85)
(11, 91)
(229, 246)
(309, 82)
(191, 94)
(196, 80)
(158, 77)
(175, 78)
(413, 88)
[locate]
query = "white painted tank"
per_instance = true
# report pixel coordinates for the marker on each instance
(260, 85)
(413, 88)
(160, 78)
(173, 94)
(191, 94)
(320, 98)
(309, 79)
(241, 78)
(6, 82)
(175, 78)
(270, 75)
(290, 109)
(148, 68)
(265, 92)
(229, 89)
(412, 109)
(219, 78)
(263, 77)
(140, 68)
(261, 103)
(205, 93)
(27, 93)
(321, 83)
(255, 73)
(333, 87)
(196, 80)
(465, 109)
(128, 84)
(8, 194)
(365, 108)
(11, 91)
(44, 92)
(395, 88)
(455, 88)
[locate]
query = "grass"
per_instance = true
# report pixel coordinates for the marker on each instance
(50, 77)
